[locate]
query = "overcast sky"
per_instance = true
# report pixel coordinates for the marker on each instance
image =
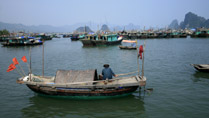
(154, 13)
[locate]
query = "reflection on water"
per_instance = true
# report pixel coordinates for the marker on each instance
(49, 107)
(200, 75)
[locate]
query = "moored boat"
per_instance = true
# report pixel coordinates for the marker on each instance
(82, 83)
(99, 40)
(75, 37)
(43, 37)
(128, 45)
(201, 33)
(201, 67)
(22, 41)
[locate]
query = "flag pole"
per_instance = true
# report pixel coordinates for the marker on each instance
(43, 60)
(19, 72)
(12, 67)
(17, 63)
(21, 69)
(28, 66)
(138, 60)
(30, 63)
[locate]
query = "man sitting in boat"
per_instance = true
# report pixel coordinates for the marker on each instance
(107, 72)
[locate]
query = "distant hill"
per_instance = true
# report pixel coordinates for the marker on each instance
(67, 28)
(83, 29)
(174, 25)
(191, 20)
(105, 28)
(39, 28)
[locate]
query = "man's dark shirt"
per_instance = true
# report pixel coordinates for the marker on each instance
(107, 73)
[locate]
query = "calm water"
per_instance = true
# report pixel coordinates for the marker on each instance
(179, 90)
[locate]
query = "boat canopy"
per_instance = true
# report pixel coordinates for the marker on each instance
(129, 41)
(71, 76)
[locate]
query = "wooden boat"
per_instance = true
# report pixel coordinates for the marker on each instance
(128, 45)
(43, 37)
(201, 67)
(201, 33)
(100, 40)
(81, 84)
(75, 37)
(22, 41)
(204, 34)
(67, 35)
(125, 34)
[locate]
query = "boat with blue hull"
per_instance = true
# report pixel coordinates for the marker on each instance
(101, 40)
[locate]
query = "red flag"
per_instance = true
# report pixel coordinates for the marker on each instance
(140, 51)
(11, 67)
(24, 59)
(15, 61)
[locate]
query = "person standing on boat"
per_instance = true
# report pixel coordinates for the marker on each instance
(107, 72)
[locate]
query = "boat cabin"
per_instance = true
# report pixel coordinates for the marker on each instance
(72, 76)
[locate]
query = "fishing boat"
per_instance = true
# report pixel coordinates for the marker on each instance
(200, 33)
(75, 37)
(128, 45)
(67, 35)
(22, 41)
(82, 83)
(99, 40)
(204, 33)
(201, 67)
(43, 37)
(124, 34)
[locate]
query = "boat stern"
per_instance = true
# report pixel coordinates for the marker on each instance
(141, 80)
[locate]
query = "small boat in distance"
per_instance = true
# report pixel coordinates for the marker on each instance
(128, 45)
(101, 40)
(201, 67)
(75, 37)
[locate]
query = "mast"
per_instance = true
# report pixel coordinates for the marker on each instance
(85, 30)
(30, 63)
(143, 60)
(43, 59)
(138, 60)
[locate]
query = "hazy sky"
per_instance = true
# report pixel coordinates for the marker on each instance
(155, 13)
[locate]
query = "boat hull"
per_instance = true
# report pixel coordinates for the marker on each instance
(21, 44)
(82, 92)
(127, 47)
(99, 42)
(87, 42)
(201, 68)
